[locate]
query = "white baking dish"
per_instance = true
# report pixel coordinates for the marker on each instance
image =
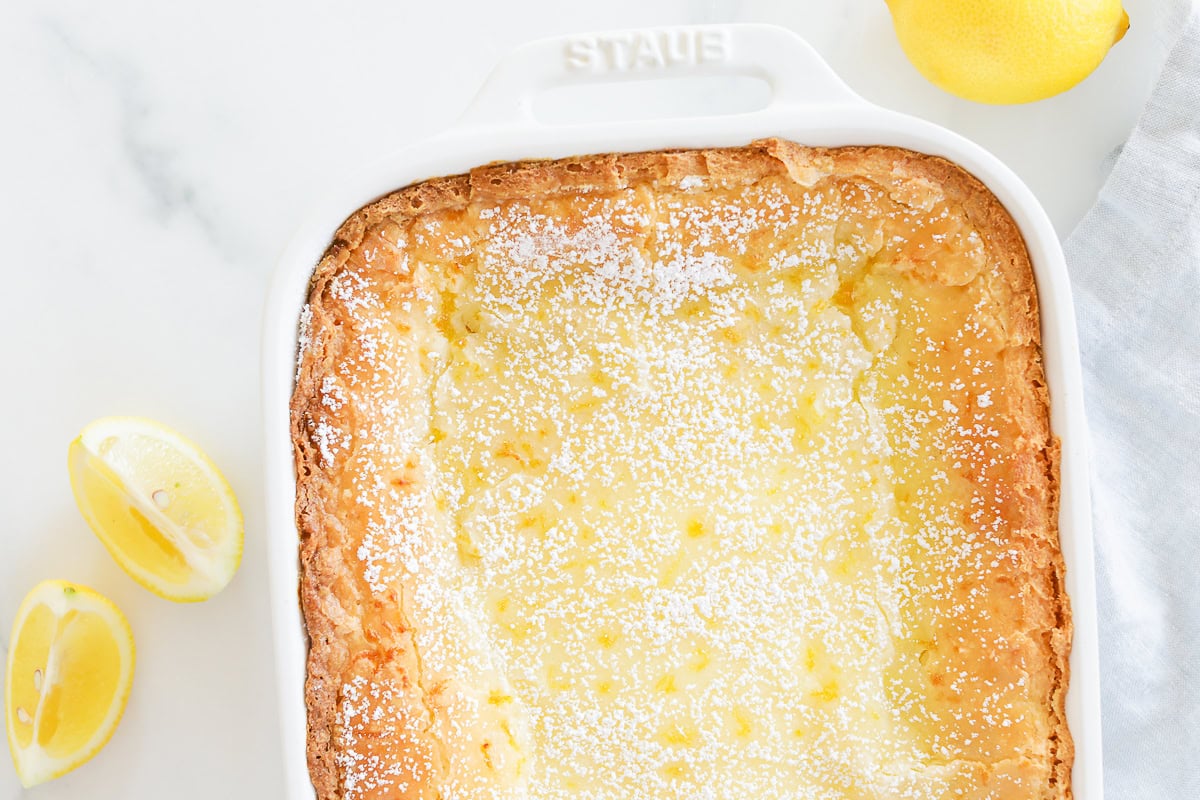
(808, 104)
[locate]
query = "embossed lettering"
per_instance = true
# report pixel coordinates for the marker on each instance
(680, 47)
(714, 46)
(646, 53)
(580, 53)
(648, 50)
(616, 52)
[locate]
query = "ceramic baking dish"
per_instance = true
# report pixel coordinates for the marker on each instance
(809, 104)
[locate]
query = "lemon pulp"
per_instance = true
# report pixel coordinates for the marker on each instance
(158, 504)
(69, 671)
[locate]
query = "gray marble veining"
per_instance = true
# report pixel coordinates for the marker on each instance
(168, 190)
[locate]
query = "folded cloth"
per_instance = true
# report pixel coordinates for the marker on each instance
(1135, 269)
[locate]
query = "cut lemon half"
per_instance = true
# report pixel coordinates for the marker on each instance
(159, 505)
(70, 665)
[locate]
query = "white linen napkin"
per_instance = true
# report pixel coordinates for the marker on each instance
(1135, 269)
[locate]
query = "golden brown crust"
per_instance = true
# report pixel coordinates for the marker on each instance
(1034, 498)
(316, 526)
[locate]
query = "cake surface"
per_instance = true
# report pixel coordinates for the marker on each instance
(690, 474)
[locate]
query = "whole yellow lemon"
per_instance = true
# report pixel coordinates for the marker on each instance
(1007, 51)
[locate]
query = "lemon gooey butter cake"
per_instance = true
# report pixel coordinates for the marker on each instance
(703, 474)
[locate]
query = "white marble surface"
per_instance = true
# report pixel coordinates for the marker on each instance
(155, 157)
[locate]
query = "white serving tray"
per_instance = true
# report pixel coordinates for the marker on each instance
(808, 104)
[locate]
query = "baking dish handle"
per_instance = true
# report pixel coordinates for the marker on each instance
(796, 74)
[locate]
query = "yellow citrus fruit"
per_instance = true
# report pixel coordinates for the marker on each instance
(70, 665)
(1007, 51)
(159, 505)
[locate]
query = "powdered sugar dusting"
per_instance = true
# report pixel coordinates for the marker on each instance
(330, 441)
(681, 491)
(304, 336)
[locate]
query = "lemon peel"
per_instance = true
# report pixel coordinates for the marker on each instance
(161, 507)
(67, 679)
(1007, 51)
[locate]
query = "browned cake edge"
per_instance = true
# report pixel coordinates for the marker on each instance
(1037, 461)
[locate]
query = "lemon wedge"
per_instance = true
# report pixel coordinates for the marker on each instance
(1001, 51)
(70, 665)
(159, 505)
